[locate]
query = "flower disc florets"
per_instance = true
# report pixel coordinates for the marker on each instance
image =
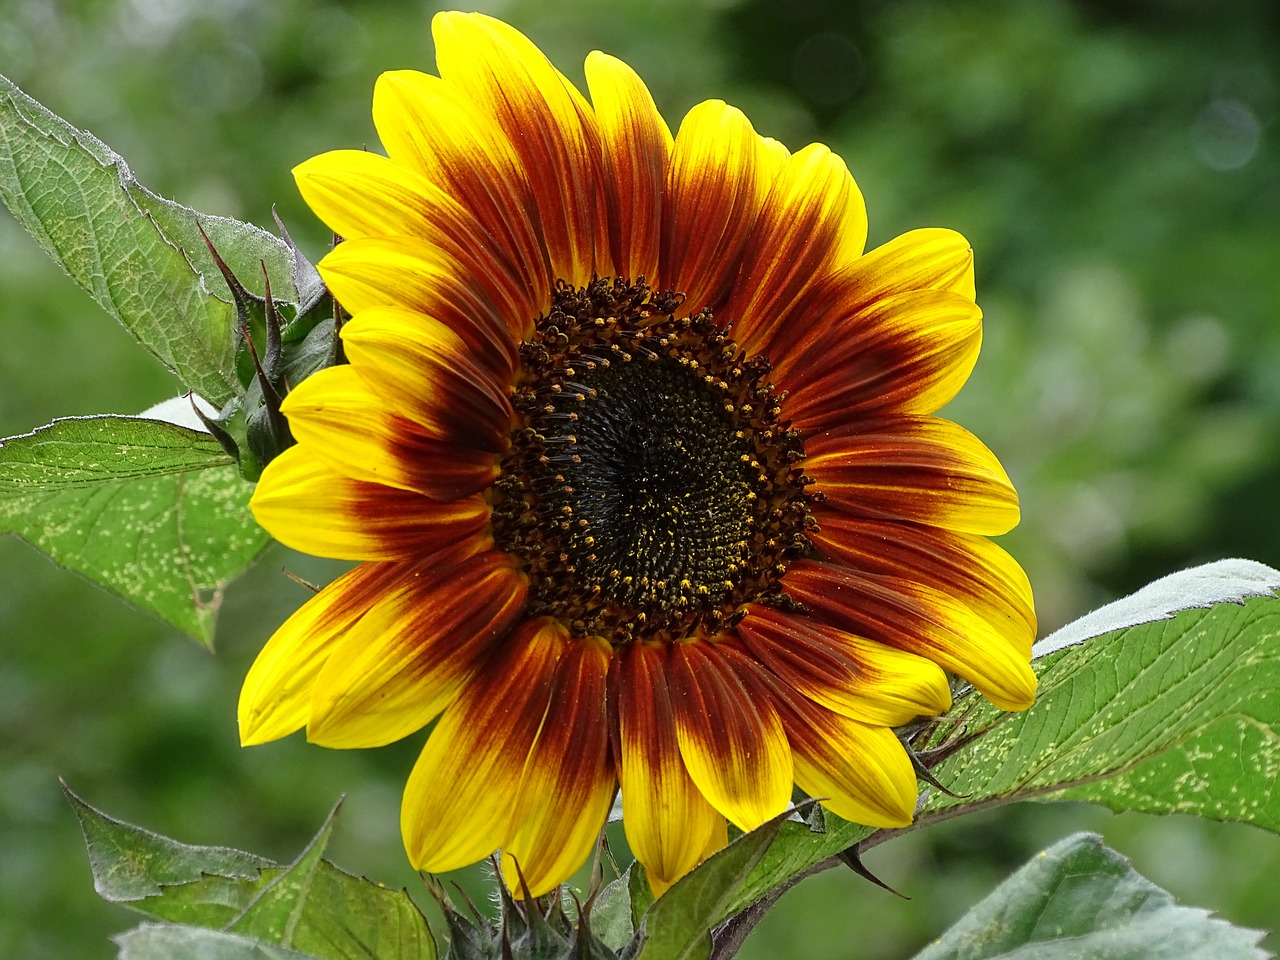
(652, 488)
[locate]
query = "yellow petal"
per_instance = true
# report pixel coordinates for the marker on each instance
(812, 223)
(858, 771)
(931, 258)
(922, 469)
(859, 678)
(424, 277)
(637, 151)
(569, 782)
(276, 697)
(432, 127)
(730, 736)
(360, 194)
(460, 797)
(549, 125)
(424, 371)
(335, 414)
(920, 619)
(669, 825)
(716, 186)
(405, 661)
(308, 506)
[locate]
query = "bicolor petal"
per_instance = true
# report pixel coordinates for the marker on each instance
(335, 415)
(308, 506)
(432, 127)
(670, 826)
(860, 678)
(921, 469)
(981, 574)
(730, 737)
(906, 354)
(812, 223)
(404, 662)
(549, 125)
(423, 370)
(715, 189)
(424, 277)
(569, 782)
(636, 144)
(921, 619)
(459, 800)
(859, 771)
(275, 699)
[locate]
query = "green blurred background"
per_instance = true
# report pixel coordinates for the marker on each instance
(1114, 164)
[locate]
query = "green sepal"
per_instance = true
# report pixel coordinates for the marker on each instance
(530, 929)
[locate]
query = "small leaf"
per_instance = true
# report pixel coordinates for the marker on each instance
(678, 925)
(168, 941)
(138, 255)
(130, 863)
(611, 912)
(152, 511)
(1080, 899)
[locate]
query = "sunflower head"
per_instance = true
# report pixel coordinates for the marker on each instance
(637, 450)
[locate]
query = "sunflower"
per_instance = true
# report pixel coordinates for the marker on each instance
(636, 449)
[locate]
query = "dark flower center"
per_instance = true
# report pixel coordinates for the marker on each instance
(651, 489)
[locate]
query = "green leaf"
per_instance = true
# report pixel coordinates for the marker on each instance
(168, 941)
(152, 511)
(315, 907)
(611, 912)
(678, 925)
(1172, 715)
(1223, 581)
(130, 863)
(1080, 899)
(141, 257)
(310, 906)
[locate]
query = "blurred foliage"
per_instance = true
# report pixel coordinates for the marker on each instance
(1115, 165)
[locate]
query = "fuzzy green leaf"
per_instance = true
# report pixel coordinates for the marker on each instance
(315, 907)
(611, 919)
(130, 863)
(1223, 581)
(168, 941)
(152, 511)
(678, 925)
(1080, 899)
(310, 906)
(1172, 715)
(141, 257)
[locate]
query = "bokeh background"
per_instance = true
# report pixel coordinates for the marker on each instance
(1115, 165)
